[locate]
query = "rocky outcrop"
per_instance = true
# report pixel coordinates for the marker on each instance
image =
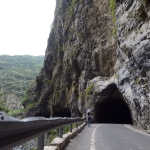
(83, 58)
(13, 102)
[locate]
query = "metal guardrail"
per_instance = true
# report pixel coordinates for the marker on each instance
(14, 132)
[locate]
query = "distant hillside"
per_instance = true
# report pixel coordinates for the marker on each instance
(16, 73)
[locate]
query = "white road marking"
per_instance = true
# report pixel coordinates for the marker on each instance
(128, 126)
(93, 139)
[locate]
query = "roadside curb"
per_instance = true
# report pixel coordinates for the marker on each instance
(60, 143)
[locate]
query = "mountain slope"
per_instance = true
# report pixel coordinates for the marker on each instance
(16, 73)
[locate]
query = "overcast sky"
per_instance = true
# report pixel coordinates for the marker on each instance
(25, 26)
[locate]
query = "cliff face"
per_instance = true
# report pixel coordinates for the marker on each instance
(94, 55)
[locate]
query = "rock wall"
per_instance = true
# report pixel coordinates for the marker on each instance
(84, 57)
(133, 53)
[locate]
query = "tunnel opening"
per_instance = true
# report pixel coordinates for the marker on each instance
(112, 108)
(58, 111)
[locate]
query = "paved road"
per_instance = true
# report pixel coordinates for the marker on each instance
(110, 137)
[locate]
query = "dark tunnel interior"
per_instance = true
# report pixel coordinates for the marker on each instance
(58, 111)
(113, 110)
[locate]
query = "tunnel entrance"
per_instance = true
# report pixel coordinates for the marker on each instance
(111, 107)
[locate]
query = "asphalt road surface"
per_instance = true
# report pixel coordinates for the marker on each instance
(110, 137)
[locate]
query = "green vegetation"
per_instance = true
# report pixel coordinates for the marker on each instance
(66, 128)
(56, 94)
(73, 125)
(114, 30)
(137, 81)
(2, 105)
(117, 76)
(88, 89)
(71, 8)
(16, 73)
(113, 8)
(29, 94)
(54, 133)
(15, 112)
(47, 81)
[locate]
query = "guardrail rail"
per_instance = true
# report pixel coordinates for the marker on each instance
(14, 132)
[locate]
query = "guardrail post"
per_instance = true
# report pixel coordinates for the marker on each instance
(70, 127)
(60, 132)
(41, 142)
(76, 125)
(80, 123)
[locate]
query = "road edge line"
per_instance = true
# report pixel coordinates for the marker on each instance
(93, 139)
(136, 130)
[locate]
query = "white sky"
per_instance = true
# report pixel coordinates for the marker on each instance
(25, 26)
